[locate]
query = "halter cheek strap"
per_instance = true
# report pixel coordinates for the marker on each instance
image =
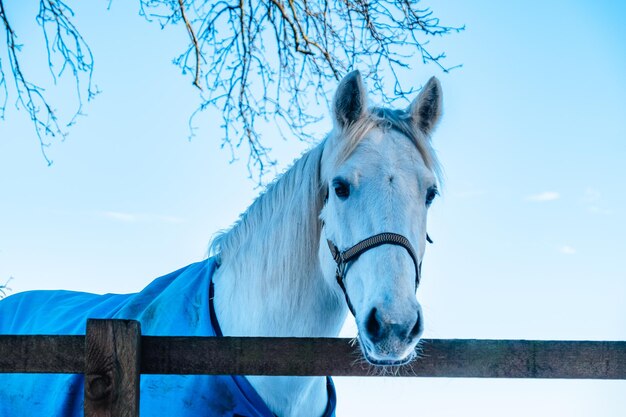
(344, 258)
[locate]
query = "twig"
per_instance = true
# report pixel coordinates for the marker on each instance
(194, 41)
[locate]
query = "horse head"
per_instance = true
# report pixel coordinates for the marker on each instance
(380, 175)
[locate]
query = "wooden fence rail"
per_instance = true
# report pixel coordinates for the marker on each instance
(120, 341)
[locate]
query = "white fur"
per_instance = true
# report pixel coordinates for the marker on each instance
(276, 275)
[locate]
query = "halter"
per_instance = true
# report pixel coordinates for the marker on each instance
(344, 258)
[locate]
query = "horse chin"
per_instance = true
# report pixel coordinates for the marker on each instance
(389, 362)
(384, 360)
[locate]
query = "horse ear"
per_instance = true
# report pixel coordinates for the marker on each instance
(426, 108)
(350, 100)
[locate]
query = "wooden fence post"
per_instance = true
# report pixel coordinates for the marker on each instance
(112, 368)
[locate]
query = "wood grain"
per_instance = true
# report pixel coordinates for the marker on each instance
(112, 349)
(455, 358)
(42, 354)
(464, 358)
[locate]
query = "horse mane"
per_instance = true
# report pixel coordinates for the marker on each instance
(283, 221)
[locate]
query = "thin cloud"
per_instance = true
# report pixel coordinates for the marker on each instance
(600, 210)
(545, 196)
(567, 250)
(593, 199)
(592, 195)
(119, 216)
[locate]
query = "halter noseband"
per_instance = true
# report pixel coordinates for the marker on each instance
(343, 258)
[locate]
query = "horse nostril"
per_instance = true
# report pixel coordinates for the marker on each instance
(415, 331)
(372, 325)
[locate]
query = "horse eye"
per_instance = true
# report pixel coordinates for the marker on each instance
(342, 188)
(431, 194)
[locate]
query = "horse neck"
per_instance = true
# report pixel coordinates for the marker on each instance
(269, 282)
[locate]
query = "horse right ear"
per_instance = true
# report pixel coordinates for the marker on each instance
(425, 110)
(350, 100)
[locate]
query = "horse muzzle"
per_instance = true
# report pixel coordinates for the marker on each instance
(388, 341)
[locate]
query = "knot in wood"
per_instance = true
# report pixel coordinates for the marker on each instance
(99, 387)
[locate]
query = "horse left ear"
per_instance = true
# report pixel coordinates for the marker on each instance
(426, 108)
(350, 100)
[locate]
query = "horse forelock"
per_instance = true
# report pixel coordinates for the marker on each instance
(385, 119)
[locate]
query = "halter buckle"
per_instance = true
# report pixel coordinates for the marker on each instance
(341, 266)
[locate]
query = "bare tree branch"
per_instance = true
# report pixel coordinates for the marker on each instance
(66, 50)
(264, 60)
(255, 61)
(194, 41)
(4, 288)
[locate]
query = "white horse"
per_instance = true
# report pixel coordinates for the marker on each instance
(343, 230)
(375, 173)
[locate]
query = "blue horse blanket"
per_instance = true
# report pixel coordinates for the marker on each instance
(177, 304)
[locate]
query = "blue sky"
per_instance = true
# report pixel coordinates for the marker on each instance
(529, 232)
